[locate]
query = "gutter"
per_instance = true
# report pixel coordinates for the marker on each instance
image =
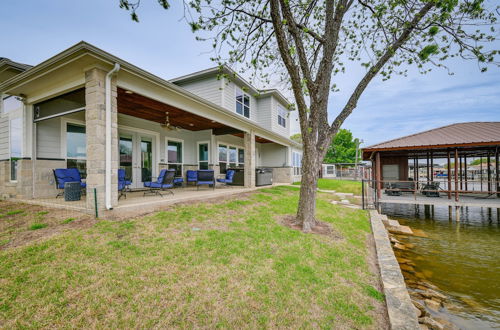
(107, 87)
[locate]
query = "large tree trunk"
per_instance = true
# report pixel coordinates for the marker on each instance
(307, 201)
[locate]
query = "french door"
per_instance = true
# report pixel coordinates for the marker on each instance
(203, 152)
(137, 157)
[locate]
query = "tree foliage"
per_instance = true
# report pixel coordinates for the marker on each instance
(343, 148)
(307, 43)
(296, 137)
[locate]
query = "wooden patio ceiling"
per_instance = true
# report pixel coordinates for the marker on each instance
(140, 106)
(136, 105)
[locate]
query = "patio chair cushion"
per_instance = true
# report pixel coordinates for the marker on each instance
(121, 185)
(204, 182)
(158, 181)
(178, 180)
(122, 177)
(228, 178)
(191, 176)
(64, 175)
(159, 185)
(205, 177)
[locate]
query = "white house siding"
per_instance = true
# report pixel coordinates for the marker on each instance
(4, 138)
(264, 118)
(285, 131)
(48, 138)
(207, 88)
(273, 155)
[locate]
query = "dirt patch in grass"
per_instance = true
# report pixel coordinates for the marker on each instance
(321, 228)
(21, 223)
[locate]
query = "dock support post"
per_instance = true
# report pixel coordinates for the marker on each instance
(449, 176)
(378, 174)
(456, 175)
(457, 213)
(427, 163)
(497, 174)
(488, 171)
(465, 170)
(461, 173)
(432, 167)
(481, 171)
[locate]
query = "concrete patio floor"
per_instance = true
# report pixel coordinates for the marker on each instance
(135, 203)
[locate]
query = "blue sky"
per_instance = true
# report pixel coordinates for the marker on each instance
(164, 45)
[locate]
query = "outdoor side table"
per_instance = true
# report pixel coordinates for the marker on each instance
(72, 191)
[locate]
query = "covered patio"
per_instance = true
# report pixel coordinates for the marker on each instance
(102, 114)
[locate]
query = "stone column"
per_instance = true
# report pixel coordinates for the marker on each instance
(249, 139)
(95, 120)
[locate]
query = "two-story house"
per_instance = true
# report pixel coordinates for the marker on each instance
(87, 109)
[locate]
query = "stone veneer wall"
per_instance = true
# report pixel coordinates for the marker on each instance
(45, 185)
(20, 189)
(23, 188)
(401, 311)
(282, 174)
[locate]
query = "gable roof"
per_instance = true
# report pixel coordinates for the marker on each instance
(459, 134)
(9, 68)
(236, 77)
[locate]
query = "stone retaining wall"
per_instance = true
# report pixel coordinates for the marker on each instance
(402, 312)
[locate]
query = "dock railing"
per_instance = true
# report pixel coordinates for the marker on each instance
(433, 188)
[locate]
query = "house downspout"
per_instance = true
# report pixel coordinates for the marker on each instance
(108, 134)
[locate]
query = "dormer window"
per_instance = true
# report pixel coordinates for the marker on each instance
(282, 114)
(242, 103)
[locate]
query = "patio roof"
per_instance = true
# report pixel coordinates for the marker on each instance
(83, 55)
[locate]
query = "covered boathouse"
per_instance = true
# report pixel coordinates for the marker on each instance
(432, 167)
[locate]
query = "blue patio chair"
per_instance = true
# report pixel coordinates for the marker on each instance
(122, 189)
(205, 177)
(178, 181)
(165, 182)
(123, 184)
(159, 179)
(63, 175)
(122, 178)
(228, 178)
(191, 176)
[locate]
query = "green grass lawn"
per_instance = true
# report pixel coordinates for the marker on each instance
(343, 186)
(229, 264)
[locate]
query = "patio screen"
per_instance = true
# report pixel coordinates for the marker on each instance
(63, 104)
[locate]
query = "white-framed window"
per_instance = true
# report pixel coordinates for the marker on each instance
(242, 103)
(296, 163)
(230, 157)
(76, 147)
(330, 169)
(15, 145)
(282, 115)
(175, 153)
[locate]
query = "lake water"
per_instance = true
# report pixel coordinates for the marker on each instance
(461, 258)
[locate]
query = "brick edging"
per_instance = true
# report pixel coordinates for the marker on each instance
(401, 311)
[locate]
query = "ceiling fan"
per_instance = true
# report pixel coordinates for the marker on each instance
(167, 124)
